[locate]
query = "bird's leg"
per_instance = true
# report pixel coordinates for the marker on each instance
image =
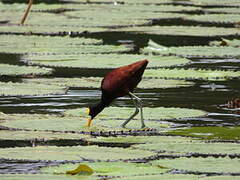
(133, 115)
(26, 12)
(138, 104)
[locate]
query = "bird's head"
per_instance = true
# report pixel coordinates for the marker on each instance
(93, 111)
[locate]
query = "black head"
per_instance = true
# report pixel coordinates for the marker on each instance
(95, 109)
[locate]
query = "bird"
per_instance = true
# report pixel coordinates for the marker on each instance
(118, 83)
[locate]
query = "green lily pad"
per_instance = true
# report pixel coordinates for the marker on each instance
(149, 113)
(22, 89)
(55, 45)
(106, 61)
(39, 135)
(142, 139)
(182, 30)
(222, 178)
(204, 165)
(215, 18)
(72, 153)
(73, 123)
(14, 70)
(218, 133)
(190, 74)
(192, 147)
(162, 177)
(44, 176)
(226, 42)
(109, 169)
(95, 82)
(41, 29)
(228, 10)
(215, 3)
(192, 51)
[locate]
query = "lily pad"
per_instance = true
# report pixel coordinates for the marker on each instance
(182, 30)
(215, 18)
(22, 89)
(39, 135)
(109, 169)
(203, 165)
(72, 153)
(228, 10)
(55, 30)
(218, 133)
(226, 3)
(142, 139)
(44, 176)
(95, 82)
(14, 70)
(149, 113)
(190, 74)
(55, 45)
(192, 51)
(163, 177)
(106, 61)
(193, 147)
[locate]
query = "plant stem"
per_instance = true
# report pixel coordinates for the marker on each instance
(26, 12)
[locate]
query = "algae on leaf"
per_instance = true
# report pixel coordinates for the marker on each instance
(73, 153)
(217, 133)
(14, 70)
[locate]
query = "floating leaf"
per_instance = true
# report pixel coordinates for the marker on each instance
(203, 165)
(182, 30)
(72, 153)
(39, 135)
(110, 169)
(21, 89)
(193, 51)
(221, 178)
(55, 30)
(218, 133)
(149, 113)
(107, 61)
(95, 82)
(215, 3)
(190, 74)
(55, 45)
(14, 70)
(44, 176)
(193, 147)
(163, 177)
(142, 139)
(227, 10)
(215, 18)
(73, 123)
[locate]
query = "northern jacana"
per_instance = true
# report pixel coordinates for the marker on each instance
(117, 83)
